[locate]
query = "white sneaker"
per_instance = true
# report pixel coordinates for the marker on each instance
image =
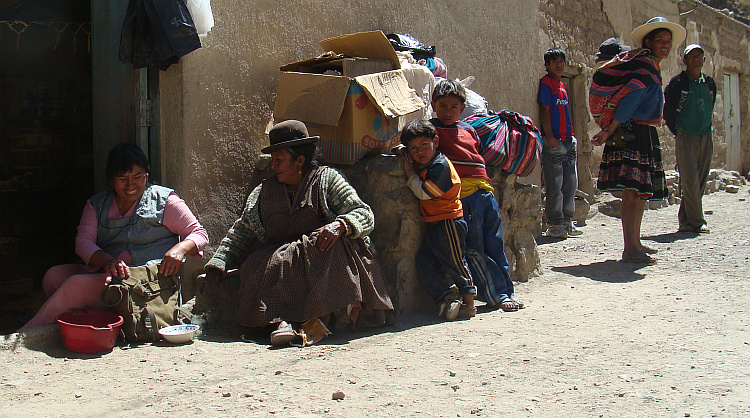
(572, 230)
(557, 231)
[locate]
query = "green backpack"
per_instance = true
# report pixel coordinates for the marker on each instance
(147, 301)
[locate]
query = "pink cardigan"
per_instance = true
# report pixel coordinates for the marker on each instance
(177, 218)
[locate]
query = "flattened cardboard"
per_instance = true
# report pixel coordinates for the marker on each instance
(313, 98)
(391, 93)
(372, 44)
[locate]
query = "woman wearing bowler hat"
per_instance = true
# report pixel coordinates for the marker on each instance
(626, 100)
(306, 228)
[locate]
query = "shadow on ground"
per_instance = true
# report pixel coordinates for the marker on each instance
(671, 237)
(544, 240)
(609, 271)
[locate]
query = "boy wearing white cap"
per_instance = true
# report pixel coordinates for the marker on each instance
(688, 110)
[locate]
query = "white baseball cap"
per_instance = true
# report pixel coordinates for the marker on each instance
(692, 47)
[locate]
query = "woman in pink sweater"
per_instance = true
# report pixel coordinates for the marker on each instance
(134, 223)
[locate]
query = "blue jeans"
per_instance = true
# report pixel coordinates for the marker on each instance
(561, 181)
(442, 253)
(485, 250)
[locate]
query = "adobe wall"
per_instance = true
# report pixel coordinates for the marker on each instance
(216, 103)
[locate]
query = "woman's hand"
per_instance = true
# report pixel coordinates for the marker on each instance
(172, 260)
(329, 234)
(600, 138)
(211, 277)
(116, 268)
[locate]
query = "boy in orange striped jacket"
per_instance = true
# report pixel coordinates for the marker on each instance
(434, 181)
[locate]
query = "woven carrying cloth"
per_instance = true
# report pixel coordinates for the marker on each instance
(508, 140)
(628, 71)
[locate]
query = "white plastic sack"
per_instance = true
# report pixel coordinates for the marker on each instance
(475, 102)
(200, 11)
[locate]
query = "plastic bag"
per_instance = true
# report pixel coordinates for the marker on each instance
(156, 33)
(418, 50)
(203, 18)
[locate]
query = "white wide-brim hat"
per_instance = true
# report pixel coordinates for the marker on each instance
(678, 32)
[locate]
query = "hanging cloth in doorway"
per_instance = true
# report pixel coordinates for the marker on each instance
(156, 33)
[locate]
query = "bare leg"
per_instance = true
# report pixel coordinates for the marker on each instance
(469, 301)
(467, 309)
(642, 247)
(632, 215)
(80, 291)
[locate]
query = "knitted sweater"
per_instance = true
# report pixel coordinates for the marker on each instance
(337, 200)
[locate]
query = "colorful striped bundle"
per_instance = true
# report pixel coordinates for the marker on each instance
(508, 140)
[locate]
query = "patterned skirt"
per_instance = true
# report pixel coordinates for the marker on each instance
(637, 167)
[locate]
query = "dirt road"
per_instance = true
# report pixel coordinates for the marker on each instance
(599, 338)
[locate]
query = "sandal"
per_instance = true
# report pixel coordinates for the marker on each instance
(450, 309)
(641, 258)
(283, 335)
(509, 305)
(649, 250)
(520, 304)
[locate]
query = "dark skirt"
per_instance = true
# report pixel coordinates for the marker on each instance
(297, 282)
(637, 167)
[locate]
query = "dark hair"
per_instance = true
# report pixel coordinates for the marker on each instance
(553, 53)
(417, 128)
(309, 151)
(123, 157)
(651, 35)
(447, 88)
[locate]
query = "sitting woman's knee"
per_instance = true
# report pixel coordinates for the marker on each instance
(54, 278)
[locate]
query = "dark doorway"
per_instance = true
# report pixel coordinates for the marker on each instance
(65, 101)
(46, 143)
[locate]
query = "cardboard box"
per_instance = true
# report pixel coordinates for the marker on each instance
(354, 114)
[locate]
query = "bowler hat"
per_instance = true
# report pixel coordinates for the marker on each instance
(678, 32)
(609, 48)
(289, 133)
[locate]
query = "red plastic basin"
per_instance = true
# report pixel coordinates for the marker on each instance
(89, 331)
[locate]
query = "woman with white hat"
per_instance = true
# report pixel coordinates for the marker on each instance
(626, 101)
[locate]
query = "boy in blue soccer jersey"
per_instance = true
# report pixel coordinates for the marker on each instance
(434, 181)
(559, 152)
